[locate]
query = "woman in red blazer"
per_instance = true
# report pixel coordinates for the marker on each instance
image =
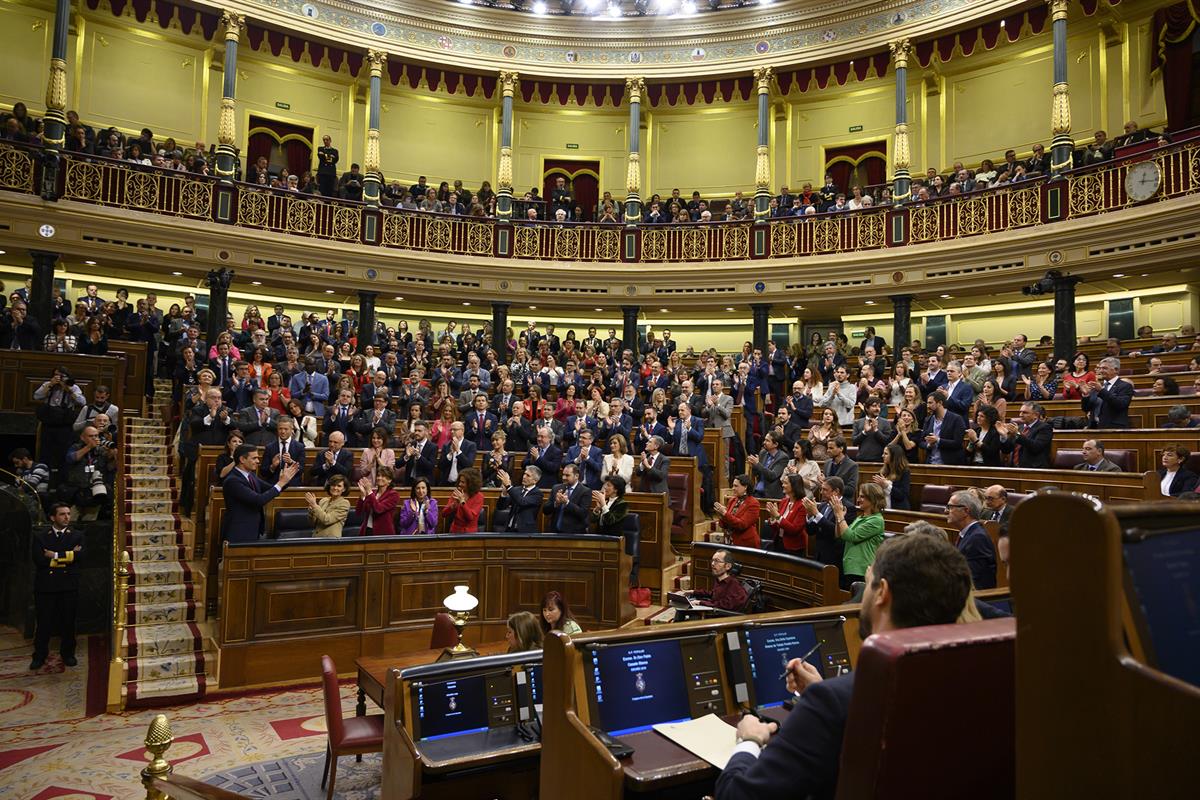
(789, 518)
(739, 517)
(466, 501)
(378, 504)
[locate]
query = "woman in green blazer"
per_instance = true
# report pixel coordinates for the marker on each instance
(329, 513)
(863, 536)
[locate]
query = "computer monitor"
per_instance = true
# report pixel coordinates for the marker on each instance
(1162, 587)
(462, 705)
(635, 685)
(759, 655)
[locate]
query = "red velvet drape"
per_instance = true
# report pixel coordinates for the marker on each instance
(260, 144)
(1171, 51)
(582, 177)
(299, 156)
(295, 143)
(857, 164)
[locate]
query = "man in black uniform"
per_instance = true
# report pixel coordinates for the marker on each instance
(56, 554)
(561, 198)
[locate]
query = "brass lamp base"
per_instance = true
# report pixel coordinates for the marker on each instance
(459, 650)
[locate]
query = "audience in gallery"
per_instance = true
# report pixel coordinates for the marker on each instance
(455, 198)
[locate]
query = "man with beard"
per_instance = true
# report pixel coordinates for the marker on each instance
(914, 581)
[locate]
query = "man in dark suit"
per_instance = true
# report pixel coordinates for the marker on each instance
(275, 321)
(942, 436)
(521, 502)
(518, 430)
(959, 394)
(872, 432)
(805, 752)
(457, 455)
(282, 452)
(56, 553)
(934, 378)
(1031, 440)
(420, 455)
(841, 466)
(257, 423)
(211, 420)
(826, 546)
(654, 467)
(378, 416)
(546, 456)
(962, 512)
(340, 416)
(246, 495)
(240, 392)
(481, 424)
(569, 505)
(870, 339)
(19, 331)
(1107, 399)
(650, 427)
(1094, 459)
(589, 459)
(334, 460)
(996, 507)
(550, 423)
(1020, 358)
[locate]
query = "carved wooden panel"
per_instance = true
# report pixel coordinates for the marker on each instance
(315, 605)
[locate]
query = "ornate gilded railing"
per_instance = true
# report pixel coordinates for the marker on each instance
(120, 574)
(1080, 193)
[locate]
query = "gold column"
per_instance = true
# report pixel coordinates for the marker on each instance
(900, 50)
(226, 122)
(56, 98)
(633, 177)
(504, 171)
(762, 163)
(1061, 144)
(372, 179)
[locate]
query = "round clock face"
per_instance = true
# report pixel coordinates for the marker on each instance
(1142, 181)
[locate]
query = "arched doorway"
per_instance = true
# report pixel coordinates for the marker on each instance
(862, 165)
(286, 146)
(583, 177)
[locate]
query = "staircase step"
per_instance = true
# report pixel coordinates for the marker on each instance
(156, 553)
(159, 573)
(148, 669)
(166, 593)
(150, 523)
(145, 614)
(168, 691)
(171, 638)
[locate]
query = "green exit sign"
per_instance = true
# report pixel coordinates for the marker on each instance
(284, 106)
(572, 146)
(855, 128)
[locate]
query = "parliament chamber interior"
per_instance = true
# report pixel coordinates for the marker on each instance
(792, 399)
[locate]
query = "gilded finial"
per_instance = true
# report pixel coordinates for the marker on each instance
(158, 740)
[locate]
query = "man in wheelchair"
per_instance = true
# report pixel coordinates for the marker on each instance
(729, 596)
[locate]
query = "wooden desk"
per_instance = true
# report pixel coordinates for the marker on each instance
(373, 670)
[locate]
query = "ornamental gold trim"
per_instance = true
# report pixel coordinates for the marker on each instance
(1060, 109)
(762, 167)
(375, 60)
(900, 50)
(227, 122)
(233, 25)
(16, 169)
(56, 86)
(371, 153)
(508, 82)
(504, 171)
(633, 179)
(763, 76)
(635, 86)
(1059, 9)
(902, 158)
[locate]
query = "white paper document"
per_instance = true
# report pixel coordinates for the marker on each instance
(709, 737)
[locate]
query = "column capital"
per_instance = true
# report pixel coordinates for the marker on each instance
(233, 25)
(367, 294)
(219, 279)
(1058, 9)
(635, 85)
(508, 82)
(375, 60)
(763, 76)
(900, 49)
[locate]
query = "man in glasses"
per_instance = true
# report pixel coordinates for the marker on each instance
(963, 512)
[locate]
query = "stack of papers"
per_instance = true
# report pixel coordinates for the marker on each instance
(710, 737)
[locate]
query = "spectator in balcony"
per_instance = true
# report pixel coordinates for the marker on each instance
(1174, 478)
(1037, 164)
(259, 172)
(327, 159)
(986, 173)
(1180, 416)
(561, 197)
(1098, 151)
(60, 399)
(34, 475)
(350, 185)
(839, 204)
(58, 340)
(78, 141)
(656, 215)
(431, 203)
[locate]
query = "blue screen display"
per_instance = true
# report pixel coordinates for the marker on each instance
(638, 685)
(451, 708)
(1165, 572)
(534, 671)
(769, 649)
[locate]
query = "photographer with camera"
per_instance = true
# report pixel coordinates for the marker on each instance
(90, 469)
(99, 405)
(60, 400)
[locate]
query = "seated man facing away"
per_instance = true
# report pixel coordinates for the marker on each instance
(914, 581)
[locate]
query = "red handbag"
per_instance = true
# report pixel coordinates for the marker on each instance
(640, 596)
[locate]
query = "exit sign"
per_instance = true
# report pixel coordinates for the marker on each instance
(855, 128)
(284, 106)
(572, 146)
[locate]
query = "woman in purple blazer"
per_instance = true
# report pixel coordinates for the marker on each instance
(418, 514)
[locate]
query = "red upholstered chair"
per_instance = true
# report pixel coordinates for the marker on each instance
(1067, 459)
(349, 736)
(919, 694)
(444, 634)
(935, 496)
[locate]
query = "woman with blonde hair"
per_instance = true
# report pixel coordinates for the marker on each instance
(617, 461)
(523, 632)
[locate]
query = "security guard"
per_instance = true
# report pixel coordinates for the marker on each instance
(56, 554)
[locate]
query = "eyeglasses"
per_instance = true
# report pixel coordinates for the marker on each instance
(954, 505)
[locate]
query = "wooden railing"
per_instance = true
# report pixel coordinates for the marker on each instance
(120, 574)
(1079, 193)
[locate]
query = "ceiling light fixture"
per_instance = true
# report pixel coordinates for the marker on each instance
(688, 7)
(466, 302)
(398, 297)
(1118, 274)
(90, 263)
(665, 5)
(329, 291)
(663, 310)
(729, 308)
(539, 8)
(946, 297)
(591, 5)
(2, 252)
(256, 283)
(797, 307)
(870, 302)
(1001, 23)
(599, 309)
(533, 308)
(614, 10)
(176, 274)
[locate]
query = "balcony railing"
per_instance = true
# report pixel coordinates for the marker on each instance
(1079, 193)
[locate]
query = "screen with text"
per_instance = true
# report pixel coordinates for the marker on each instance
(451, 708)
(636, 686)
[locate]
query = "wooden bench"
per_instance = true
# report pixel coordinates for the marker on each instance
(1109, 487)
(1147, 444)
(894, 522)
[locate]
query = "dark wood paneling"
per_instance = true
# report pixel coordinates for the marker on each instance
(282, 602)
(135, 358)
(23, 371)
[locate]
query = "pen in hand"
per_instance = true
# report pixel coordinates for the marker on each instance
(802, 658)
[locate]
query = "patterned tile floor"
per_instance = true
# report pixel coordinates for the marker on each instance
(269, 744)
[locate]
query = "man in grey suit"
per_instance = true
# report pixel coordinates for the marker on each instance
(767, 467)
(840, 465)
(1094, 459)
(872, 432)
(257, 422)
(718, 408)
(654, 467)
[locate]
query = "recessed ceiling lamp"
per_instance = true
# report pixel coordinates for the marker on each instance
(176, 274)
(614, 9)
(256, 283)
(665, 5)
(663, 310)
(946, 296)
(539, 8)
(599, 309)
(592, 6)
(466, 302)
(329, 291)
(797, 307)
(398, 297)
(90, 263)
(729, 308)
(1118, 274)
(870, 302)
(688, 7)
